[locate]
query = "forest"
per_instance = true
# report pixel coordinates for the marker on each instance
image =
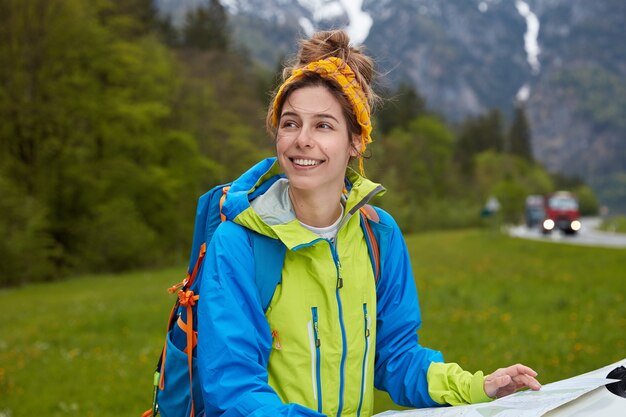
(113, 122)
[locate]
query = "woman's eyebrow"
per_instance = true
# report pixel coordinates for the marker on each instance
(326, 116)
(290, 113)
(318, 115)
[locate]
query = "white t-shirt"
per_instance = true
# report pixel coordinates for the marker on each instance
(328, 232)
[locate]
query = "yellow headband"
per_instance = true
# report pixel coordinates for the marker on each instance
(334, 68)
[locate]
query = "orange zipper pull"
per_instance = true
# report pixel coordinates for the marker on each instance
(174, 288)
(276, 338)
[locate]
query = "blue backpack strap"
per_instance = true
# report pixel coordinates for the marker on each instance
(207, 220)
(269, 257)
(269, 254)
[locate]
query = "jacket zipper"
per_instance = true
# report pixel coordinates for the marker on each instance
(344, 342)
(366, 325)
(315, 358)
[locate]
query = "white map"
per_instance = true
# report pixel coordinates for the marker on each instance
(521, 404)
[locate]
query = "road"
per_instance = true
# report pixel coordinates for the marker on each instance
(588, 235)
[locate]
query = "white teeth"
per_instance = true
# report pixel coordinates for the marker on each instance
(305, 162)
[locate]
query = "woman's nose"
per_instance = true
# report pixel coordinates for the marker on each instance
(304, 138)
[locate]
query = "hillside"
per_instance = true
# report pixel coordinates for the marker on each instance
(564, 59)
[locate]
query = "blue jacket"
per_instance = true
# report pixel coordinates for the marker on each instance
(238, 342)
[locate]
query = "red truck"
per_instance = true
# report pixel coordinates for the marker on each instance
(561, 212)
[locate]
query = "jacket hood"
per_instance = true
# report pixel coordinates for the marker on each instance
(258, 200)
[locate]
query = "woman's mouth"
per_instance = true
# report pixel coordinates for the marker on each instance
(305, 162)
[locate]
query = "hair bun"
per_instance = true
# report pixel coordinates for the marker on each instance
(335, 43)
(324, 44)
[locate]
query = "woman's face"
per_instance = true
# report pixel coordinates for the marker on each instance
(312, 142)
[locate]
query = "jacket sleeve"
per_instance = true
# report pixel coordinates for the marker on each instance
(413, 375)
(234, 339)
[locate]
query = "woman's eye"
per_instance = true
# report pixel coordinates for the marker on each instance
(324, 125)
(288, 124)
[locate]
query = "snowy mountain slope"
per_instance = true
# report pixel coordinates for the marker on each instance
(563, 58)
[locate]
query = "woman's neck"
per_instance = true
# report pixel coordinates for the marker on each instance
(314, 208)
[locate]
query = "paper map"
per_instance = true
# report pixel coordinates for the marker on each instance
(521, 404)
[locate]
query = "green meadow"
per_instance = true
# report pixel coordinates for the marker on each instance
(614, 224)
(87, 346)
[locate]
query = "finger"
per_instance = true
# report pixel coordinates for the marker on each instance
(502, 381)
(520, 369)
(526, 381)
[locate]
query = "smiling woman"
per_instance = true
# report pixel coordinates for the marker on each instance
(313, 147)
(345, 314)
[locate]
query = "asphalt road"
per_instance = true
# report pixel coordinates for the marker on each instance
(588, 235)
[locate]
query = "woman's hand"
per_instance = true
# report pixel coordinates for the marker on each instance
(505, 381)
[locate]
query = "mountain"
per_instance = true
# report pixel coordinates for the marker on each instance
(563, 60)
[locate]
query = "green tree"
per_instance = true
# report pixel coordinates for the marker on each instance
(519, 137)
(423, 150)
(86, 135)
(511, 194)
(587, 202)
(26, 249)
(129, 18)
(47, 102)
(510, 178)
(207, 28)
(401, 106)
(476, 135)
(217, 102)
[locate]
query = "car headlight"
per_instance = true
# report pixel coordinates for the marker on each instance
(548, 224)
(575, 225)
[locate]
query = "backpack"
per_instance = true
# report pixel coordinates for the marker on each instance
(177, 391)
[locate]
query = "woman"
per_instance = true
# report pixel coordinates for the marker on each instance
(332, 332)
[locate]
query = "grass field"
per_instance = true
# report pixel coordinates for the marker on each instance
(88, 346)
(614, 224)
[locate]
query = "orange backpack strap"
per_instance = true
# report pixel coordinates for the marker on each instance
(224, 192)
(188, 299)
(369, 214)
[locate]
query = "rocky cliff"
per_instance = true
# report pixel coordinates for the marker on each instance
(564, 59)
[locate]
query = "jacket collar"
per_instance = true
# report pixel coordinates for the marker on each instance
(258, 201)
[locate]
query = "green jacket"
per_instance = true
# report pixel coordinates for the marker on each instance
(331, 332)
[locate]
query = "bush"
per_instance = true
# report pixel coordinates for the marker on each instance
(26, 249)
(511, 195)
(118, 238)
(587, 202)
(616, 224)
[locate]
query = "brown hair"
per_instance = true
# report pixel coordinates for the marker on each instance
(322, 45)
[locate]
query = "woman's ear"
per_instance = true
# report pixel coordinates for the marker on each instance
(355, 146)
